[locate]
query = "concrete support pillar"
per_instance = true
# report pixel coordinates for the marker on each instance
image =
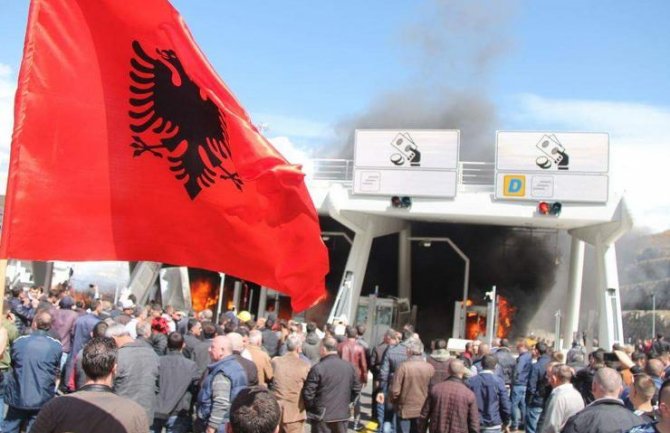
(572, 308)
(357, 263)
(611, 324)
(237, 292)
(262, 302)
(405, 264)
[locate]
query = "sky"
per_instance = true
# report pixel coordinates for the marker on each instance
(310, 71)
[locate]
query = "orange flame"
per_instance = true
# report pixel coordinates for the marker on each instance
(506, 313)
(203, 294)
(475, 325)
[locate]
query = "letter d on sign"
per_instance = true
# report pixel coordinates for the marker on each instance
(514, 186)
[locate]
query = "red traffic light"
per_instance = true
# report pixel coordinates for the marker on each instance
(543, 208)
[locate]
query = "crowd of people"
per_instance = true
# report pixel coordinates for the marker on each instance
(89, 366)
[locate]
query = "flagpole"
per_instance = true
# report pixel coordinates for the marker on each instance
(3, 272)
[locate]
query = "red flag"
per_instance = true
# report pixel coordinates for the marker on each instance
(128, 146)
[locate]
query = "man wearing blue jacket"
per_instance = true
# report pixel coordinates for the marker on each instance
(538, 388)
(519, 384)
(32, 382)
(492, 398)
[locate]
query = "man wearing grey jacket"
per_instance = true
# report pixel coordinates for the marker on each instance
(137, 370)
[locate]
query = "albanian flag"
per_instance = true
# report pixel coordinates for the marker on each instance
(128, 146)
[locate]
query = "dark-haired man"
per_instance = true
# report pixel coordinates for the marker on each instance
(312, 341)
(177, 385)
(192, 338)
(491, 395)
(254, 410)
(351, 351)
(32, 382)
(537, 390)
(393, 357)
(270, 339)
(201, 350)
(94, 408)
(331, 385)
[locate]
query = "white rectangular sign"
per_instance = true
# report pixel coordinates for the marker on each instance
(418, 163)
(552, 166)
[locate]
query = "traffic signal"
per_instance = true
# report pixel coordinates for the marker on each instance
(545, 208)
(401, 202)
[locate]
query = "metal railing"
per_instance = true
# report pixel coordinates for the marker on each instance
(342, 170)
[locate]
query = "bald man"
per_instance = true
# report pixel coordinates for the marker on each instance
(606, 414)
(224, 379)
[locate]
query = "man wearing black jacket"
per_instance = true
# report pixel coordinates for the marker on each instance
(178, 382)
(331, 385)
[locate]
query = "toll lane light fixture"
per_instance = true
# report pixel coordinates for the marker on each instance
(553, 209)
(401, 202)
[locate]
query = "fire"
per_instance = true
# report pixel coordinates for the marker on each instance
(506, 313)
(203, 294)
(475, 324)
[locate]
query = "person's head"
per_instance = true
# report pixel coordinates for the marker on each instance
(206, 315)
(255, 338)
(597, 358)
(119, 333)
(540, 348)
(194, 327)
(558, 357)
(489, 362)
(236, 341)
(99, 358)
(328, 346)
(440, 344)
(99, 329)
(294, 343)
(159, 325)
(560, 375)
(407, 333)
(639, 358)
(220, 348)
(654, 368)
(360, 329)
(390, 337)
(311, 327)
(143, 329)
(42, 321)
(414, 347)
(351, 332)
(208, 330)
(254, 410)
(175, 341)
(642, 390)
(96, 306)
(607, 383)
(456, 368)
(504, 342)
(484, 349)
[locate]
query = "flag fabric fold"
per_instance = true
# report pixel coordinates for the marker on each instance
(128, 146)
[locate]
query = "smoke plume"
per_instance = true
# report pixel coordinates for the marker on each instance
(452, 48)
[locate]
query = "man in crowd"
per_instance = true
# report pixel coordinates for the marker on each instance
(564, 400)
(32, 382)
(537, 390)
(519, 384)
(8, 334)
(137, 370)
(224, 379)
(201, 354)
(62, 326)
(178, 382)
(410, 387)
(450, 406)
(82, 333)
(94, 408)
(254, 411)
(290, 373)
(439, 359)
(393, 357)
(237, 343)
(641, 394)
(192, 338)
(606, 414)
(260, 358)
(351, 351)
(331, 385)
(583, 380)
(376, 358)
(491, 396)
(312, 343)
(506, 362)
(270, 339)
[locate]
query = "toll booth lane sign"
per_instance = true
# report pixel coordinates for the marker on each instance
(414, 162)
(569, 167)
